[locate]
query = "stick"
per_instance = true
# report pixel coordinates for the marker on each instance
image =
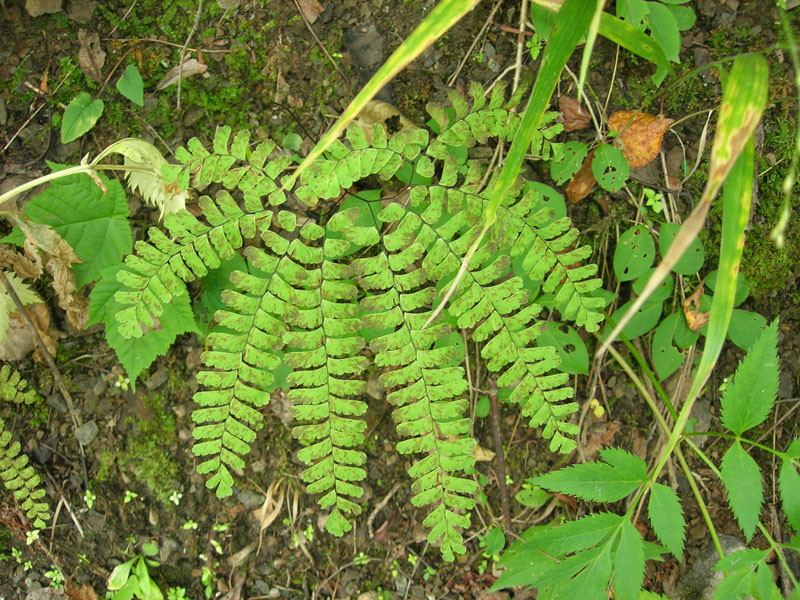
(494, 413)
(185, 45)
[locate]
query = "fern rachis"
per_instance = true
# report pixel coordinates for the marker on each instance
(325, 298)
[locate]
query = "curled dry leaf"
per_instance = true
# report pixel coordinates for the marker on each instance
(58, 258)
(22, 265)
(191, 66)
(691, 309)
(583, 182)
(575, 116)
(91, 55)
(19, 342)
(377, 111)
(640, 135)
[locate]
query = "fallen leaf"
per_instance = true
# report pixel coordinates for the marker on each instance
(18, 342)
(84, 592)
(91, 56)
(482, 454)
(58, 259)
(42, 7)
(22, 265)
(575, 116)
(602, 435)
(191, 66)
(583, 182)
(640, 135)
(691, 309)
(311, 9)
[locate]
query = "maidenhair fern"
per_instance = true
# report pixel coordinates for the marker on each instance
(331, 294)
(17, 475)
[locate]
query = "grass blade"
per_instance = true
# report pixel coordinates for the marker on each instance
(446, 14)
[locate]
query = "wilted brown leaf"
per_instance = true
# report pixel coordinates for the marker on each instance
(90, 55)
(482, 454)
(18, 342)
(575, 116)
(691, 309)
(640, 135)
(191, 66)
(58, 259)
(85, 592)
(311, 9)
(22, 265)
(583, 182)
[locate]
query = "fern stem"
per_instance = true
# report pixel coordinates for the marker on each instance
(50, 363)
(494, 412)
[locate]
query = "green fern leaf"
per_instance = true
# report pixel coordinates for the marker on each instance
(742, 479)
(623, 473)
(13, 387)
(666, 518)
(21, 479)
(748, 399)
(629, 563)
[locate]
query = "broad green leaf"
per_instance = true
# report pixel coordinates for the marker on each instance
(569, 345)
(764, 587)
(684, 16)
(131, 85)
(94, 223)
(494, 541)
(591, 583)
(746, 327)
(789, 484)
(735, 585)
(665, 29)
(629, 563)
(610, 168)
(742, 286)
(634, 254)
(79, 117)
(692, 260)
(532, 497)
(601, 482)
(567, 159)
(643, 321)
(666, 357)
(749, 398)
(742, 479)
(740, 560)
(666, 517)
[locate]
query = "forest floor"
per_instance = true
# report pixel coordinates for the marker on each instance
(262, 69)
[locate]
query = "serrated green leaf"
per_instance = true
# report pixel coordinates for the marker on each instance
(131, 85)
(736, 585)
(598, 481)
(789, 484)
(749, 398)
(79, 117)
(742, 479)
(94, 224)
(629, 563)
(740, 560)
(666, 518)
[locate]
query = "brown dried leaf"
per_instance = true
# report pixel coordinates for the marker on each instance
(575, 116)
(84, 592)
(583, 182)
(22, 265)
(691, 309)
(482, 454)
(58, 259)
(191, 66)
(601, 435)
(311, 9)
(640, 135)
(91, 56)
(19, 338)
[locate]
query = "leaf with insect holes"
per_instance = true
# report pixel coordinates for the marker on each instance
(609, 481)
(79, 117)
(634, 254)
(610, 168)
(131, 85)
(692, 260)
(749, 398)
(568, 344)
(742, 479)
(746, 327)
(567, 159)
(666, 518)
(640, 135)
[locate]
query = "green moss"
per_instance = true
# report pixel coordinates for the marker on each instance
(147, 457)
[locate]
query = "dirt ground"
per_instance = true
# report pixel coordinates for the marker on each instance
(268, 70)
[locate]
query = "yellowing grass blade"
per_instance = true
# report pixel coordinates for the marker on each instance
(736, 199)
(443, 17)
(744, 97)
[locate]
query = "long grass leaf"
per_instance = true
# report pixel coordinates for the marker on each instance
(446, 14)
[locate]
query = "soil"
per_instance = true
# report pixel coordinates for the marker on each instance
(267, 72)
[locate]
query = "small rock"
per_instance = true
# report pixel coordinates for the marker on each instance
(166, 548)
(86, 433)
(702, 579)
(81, 10)
(785, 385)
(157, 379)
(100, 387)
(251, 500)
(55, 401)
(42, 7)
(368, 596)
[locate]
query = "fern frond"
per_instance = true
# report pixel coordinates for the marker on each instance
(19, 477)
(422, 375)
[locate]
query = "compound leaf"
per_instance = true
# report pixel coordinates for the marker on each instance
(748, 399)
(629, 563)
(666, 517)
(742, 479)
(789, 483)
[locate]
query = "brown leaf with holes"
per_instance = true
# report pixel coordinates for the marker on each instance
(640, 135)
(583, 182)
(691, 309)
(575, 116)
(91, 55)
